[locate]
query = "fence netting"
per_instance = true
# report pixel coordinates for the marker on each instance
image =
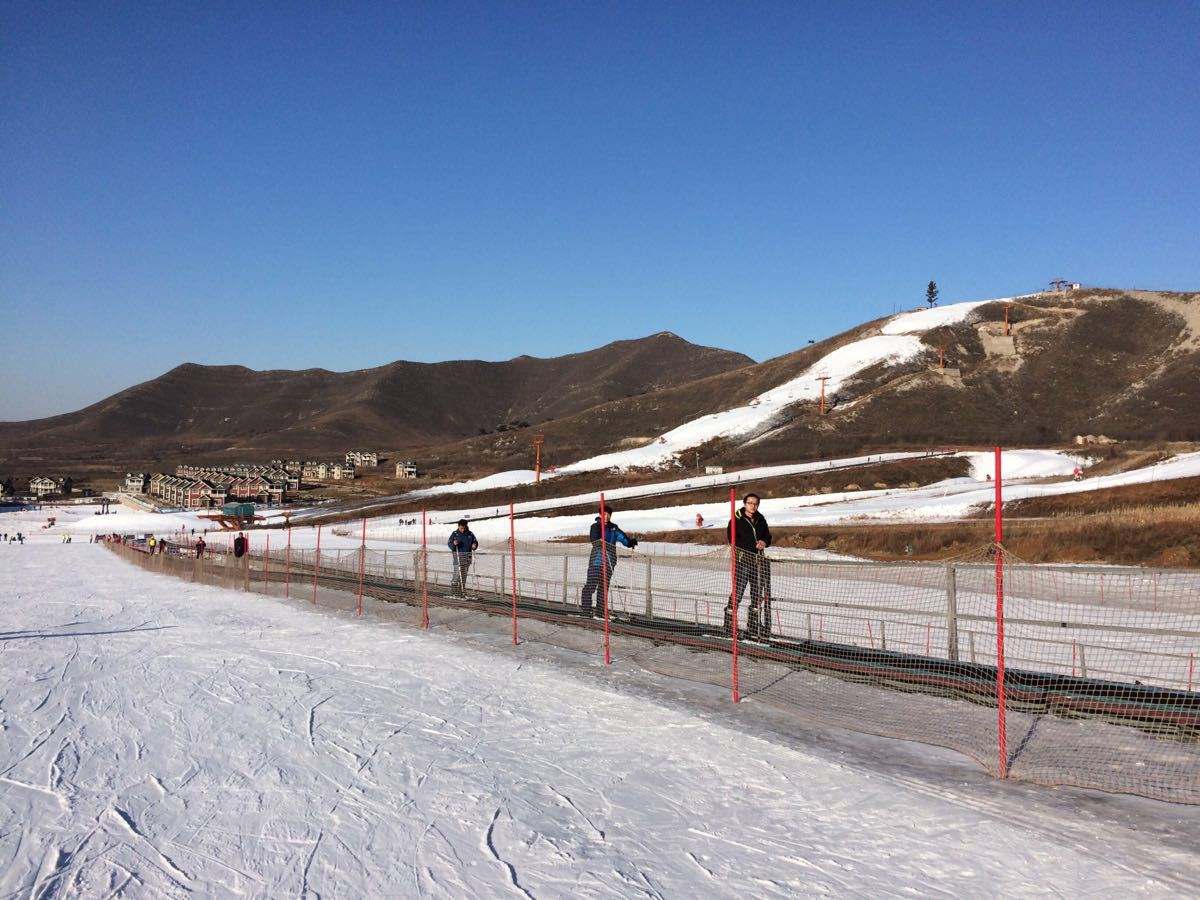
(1099, 689)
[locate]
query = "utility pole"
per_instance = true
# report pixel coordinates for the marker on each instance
(822, 379)
(697, 462)
(538, 441)
(1007, 324)
(941, 357)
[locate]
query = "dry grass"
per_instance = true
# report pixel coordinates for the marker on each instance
(1151, 535)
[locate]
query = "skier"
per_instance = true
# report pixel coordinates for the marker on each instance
(462, 544)
(239, 545)
(751, 538)
(605, 536)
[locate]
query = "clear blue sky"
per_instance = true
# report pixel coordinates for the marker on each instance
(342, 184)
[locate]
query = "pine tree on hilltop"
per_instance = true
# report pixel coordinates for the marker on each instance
(931, 294)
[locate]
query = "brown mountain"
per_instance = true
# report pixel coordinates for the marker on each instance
(235, 410)
(1093, 361)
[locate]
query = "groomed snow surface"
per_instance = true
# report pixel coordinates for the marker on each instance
(159, 738)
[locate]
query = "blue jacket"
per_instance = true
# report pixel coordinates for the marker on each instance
(613, 535)
(462, 541)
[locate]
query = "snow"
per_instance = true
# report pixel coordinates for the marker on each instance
(923, 320)
(161, 738)
(840, 365)
(497, 480)
(83, 520)
(1026, 464)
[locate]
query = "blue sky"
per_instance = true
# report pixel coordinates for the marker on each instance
(342, 185)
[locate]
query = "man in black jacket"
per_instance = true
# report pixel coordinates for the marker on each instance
(462, 544)
(751, 537)
(239, 545)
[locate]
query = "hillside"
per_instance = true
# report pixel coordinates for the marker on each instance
(1091, 361)
(231, 410)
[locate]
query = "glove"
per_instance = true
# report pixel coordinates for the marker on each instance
(633, 542)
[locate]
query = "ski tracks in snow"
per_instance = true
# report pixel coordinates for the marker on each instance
(199, 740)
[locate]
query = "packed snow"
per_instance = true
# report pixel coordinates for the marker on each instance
(922, 320)
(1026, 464)
(160, 738)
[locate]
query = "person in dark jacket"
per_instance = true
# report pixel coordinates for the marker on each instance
(462, 544)
(751, 536)
(239, 545)
(603, 559)
(200, 547)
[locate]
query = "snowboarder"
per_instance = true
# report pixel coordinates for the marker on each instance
(752, 536)
(239, 545)
(462, 544)
(605, 535)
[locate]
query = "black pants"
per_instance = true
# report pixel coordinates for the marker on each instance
(593, 585)
(753, 571)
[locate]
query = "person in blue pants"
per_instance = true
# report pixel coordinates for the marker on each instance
(601, 561)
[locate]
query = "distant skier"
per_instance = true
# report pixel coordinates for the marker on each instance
(604, 536)
(239, 545)
(752, 536)
(462, 544)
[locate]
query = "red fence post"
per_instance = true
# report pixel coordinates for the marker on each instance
(316, 564)
(267, 564)
(1000, 688)
(735, 680)
(287, 574)
(604, 575)
(512, 546)
(424, 571)
(362, 559)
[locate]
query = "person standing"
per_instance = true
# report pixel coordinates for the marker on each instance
(462, 544)
(605, 534)
(752, 537)
(239, 545)
(200, 547)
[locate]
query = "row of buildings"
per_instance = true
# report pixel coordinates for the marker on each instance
(204, 487)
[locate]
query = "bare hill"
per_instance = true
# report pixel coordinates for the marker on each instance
(235, 410)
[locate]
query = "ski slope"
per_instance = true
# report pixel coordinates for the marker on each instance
(162, 739)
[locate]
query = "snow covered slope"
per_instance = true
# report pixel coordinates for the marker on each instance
(162, 739)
